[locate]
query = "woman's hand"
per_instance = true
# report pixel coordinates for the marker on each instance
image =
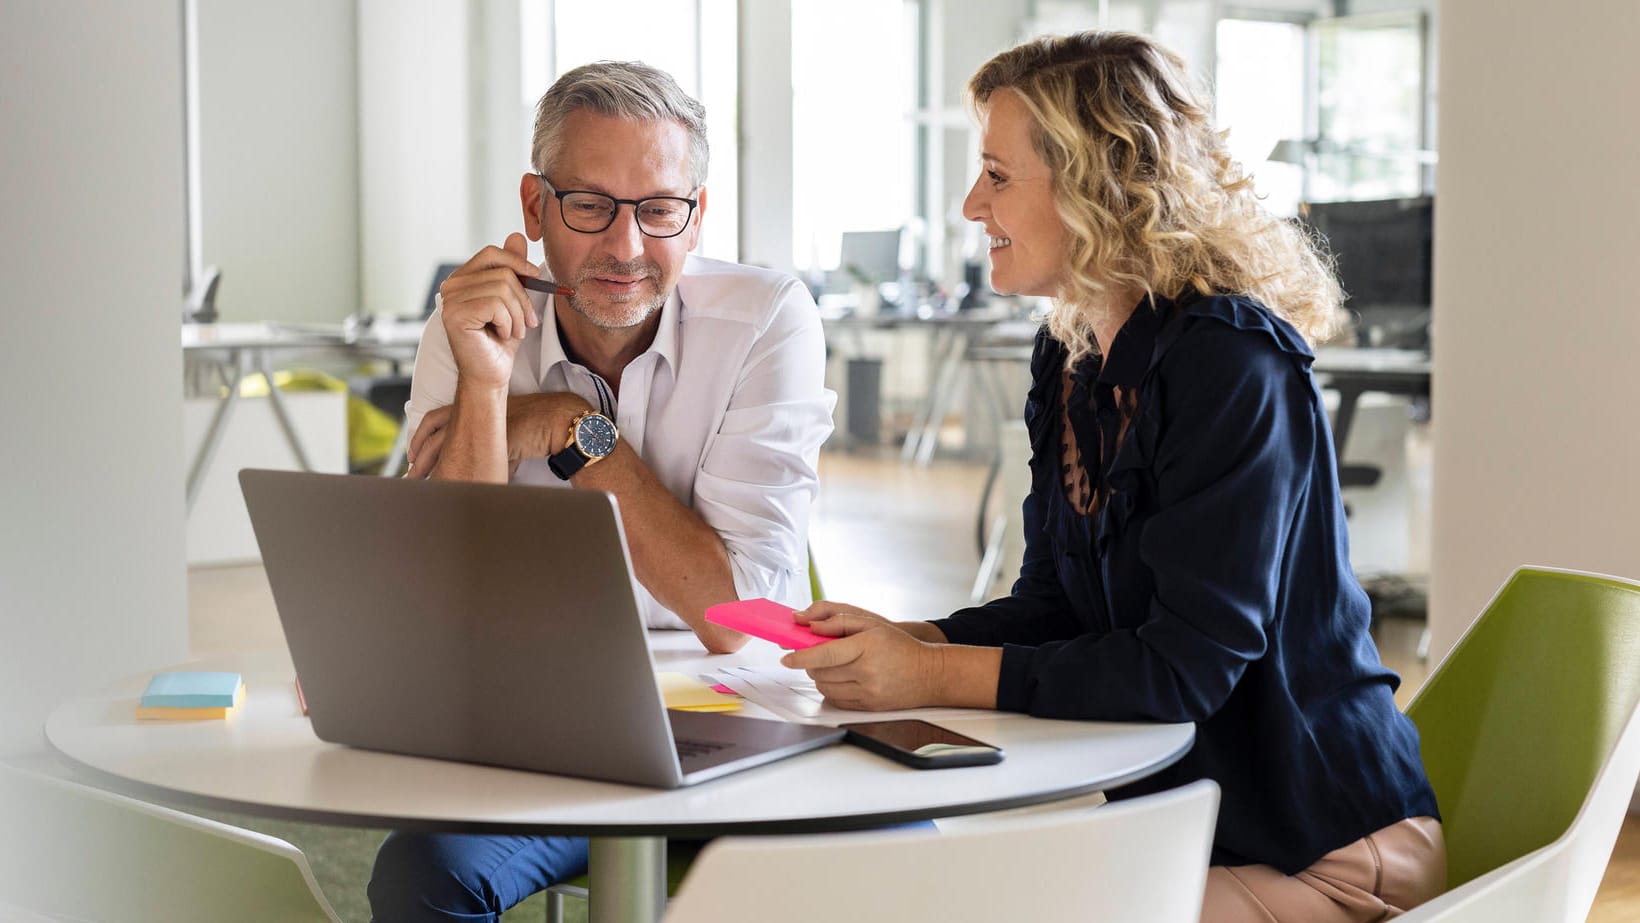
(879, 665)
(876, 664)
(838, 619)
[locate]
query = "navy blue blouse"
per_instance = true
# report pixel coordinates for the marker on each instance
(1212, 583)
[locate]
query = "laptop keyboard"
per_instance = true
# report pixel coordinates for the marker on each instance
(694, 748)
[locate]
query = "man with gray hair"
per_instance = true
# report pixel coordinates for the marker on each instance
(689, 388)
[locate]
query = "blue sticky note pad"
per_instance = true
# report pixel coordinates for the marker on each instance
(191, 690)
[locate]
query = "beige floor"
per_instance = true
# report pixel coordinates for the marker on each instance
(897, 539)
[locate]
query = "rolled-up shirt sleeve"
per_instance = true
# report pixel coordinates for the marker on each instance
(758, 476)
(433, 383)
(1230, 465)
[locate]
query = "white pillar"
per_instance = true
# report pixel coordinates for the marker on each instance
(1535, 325)
(91, 510)
(766, 134)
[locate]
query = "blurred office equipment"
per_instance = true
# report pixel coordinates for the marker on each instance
(976, 289)
(870, 260)
(199, 301)
(873, 255)
(1385, 263)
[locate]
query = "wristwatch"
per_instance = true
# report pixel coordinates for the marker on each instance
(592, 437)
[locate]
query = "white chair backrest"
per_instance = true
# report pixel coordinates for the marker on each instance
(79, 853)
(1559, 881)
(1144, 859)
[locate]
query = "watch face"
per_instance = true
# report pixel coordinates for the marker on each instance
(595, 435)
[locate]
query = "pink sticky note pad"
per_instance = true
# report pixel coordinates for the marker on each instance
(766, 619)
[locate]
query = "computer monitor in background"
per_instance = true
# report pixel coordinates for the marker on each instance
(1384, 250)
(870, 256)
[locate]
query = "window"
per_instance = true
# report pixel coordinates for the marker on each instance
(1259, 97)
(693, 40)
(1370, 108)
(853, 151)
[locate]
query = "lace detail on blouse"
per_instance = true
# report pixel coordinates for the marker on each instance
(1112, 409)
(1072, 473)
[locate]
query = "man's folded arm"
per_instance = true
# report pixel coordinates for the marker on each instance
(759, 477)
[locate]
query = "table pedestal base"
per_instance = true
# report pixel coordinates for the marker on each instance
(628, 879)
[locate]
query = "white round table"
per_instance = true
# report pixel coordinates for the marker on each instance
(265, 760)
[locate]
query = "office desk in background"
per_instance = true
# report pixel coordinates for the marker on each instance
(231, 352)
(266, 761)
(951, 335)
(1354, 371)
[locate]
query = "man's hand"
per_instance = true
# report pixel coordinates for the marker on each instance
(537, 426)
(487, 312)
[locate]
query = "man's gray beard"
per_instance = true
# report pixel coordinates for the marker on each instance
(632, 313)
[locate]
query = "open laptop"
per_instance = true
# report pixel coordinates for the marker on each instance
(483, 623)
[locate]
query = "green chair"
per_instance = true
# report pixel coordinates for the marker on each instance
(1531, 740)
(815, 591)
(68, 852)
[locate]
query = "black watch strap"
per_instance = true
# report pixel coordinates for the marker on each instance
(567, 461)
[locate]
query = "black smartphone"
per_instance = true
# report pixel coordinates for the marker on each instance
(921, 745)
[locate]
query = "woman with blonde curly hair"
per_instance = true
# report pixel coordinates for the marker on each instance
(1186, 551)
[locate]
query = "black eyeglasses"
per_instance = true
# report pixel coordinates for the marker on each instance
(593, 212)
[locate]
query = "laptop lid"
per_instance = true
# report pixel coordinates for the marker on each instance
(477, 622)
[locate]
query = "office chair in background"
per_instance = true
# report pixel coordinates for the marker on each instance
(389, 393)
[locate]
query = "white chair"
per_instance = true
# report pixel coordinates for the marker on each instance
(1141, 860)
(1544, 683)
(72, 852)
(1558, 882)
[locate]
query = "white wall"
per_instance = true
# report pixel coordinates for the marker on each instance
(503, 119)
(279, 157)
(1536, 327)
(416, 186)
(961, 38)
(91, 575)
(766, 134)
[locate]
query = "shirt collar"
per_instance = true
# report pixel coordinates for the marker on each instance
(666, 336)
(1131, 349)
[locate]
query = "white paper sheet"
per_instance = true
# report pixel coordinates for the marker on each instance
(793, 696)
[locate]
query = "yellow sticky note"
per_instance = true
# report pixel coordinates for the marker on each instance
(680, 691)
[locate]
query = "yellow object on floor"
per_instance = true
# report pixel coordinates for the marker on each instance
(370, 432)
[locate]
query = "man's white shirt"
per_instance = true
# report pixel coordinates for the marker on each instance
(727, 407)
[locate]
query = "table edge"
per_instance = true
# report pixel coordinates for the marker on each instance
(833, 824)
